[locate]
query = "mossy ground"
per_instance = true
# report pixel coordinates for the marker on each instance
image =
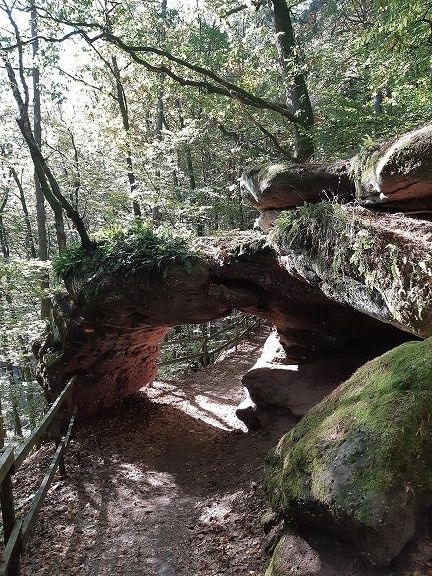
(387, 404)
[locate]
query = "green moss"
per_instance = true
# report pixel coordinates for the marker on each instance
(276, 564)
(377, 426)
(126, 251)
(342, 241)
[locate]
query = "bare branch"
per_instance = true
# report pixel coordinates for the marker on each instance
(85, 83)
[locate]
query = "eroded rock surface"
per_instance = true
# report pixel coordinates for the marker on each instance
(379, 264)
(400, 170)
(396, 175)
(296, 555)
(288, 185)
(278, 380)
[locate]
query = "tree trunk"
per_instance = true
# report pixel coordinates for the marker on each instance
(4, 245)
(37, 129)
(37, 133)
(160, 106)
(3, 239)
(297, 92)
(122, 102)
(29, 233)
(41, 223)
(378, 102)
(50, 187)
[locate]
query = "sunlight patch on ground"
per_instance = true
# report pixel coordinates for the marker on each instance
(205, 406)
(219, 509)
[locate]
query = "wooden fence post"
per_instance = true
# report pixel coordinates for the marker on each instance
(205, 352)
(7, 506)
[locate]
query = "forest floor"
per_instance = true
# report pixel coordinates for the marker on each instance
(166, 484)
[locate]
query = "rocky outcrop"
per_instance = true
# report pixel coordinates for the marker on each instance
(400, 170)
(358, 464)
(394, 176)
(334, 273)
(275, 380)
(379, 264)
(375, 261)
(108, 331)
(284, 186)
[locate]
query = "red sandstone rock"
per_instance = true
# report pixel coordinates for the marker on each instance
(110, 338)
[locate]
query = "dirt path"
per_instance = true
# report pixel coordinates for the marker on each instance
(168, 484)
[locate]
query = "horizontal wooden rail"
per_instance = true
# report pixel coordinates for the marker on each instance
(36, 436)
(205, 340)
(234, 340)
(181, 359)
(227, 329)
(183, 340)
(200, 337)
(17, 532)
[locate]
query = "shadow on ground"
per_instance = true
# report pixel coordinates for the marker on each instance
(168, 484)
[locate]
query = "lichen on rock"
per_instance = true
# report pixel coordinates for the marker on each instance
(358, 464)
(379, 264)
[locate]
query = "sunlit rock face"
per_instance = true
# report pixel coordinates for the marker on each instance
(395, 175)
(108, 335)
(275, 380)
(374, 257)
(397, 171)
(331, 277)
(281, 186)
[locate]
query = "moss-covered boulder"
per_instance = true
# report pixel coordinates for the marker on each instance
(359, 464)
(399, 170)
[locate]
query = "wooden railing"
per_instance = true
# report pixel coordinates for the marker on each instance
(206, 350)
(16, 532)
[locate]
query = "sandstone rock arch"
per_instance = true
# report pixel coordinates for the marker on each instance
(109, 338)
(107, 330)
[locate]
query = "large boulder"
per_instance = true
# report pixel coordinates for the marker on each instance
(393, 176)
(400, 170)
(358, 464)
(289, 185)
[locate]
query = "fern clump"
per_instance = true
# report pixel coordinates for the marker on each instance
(126, 251)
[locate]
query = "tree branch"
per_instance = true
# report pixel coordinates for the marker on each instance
(218, 85)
